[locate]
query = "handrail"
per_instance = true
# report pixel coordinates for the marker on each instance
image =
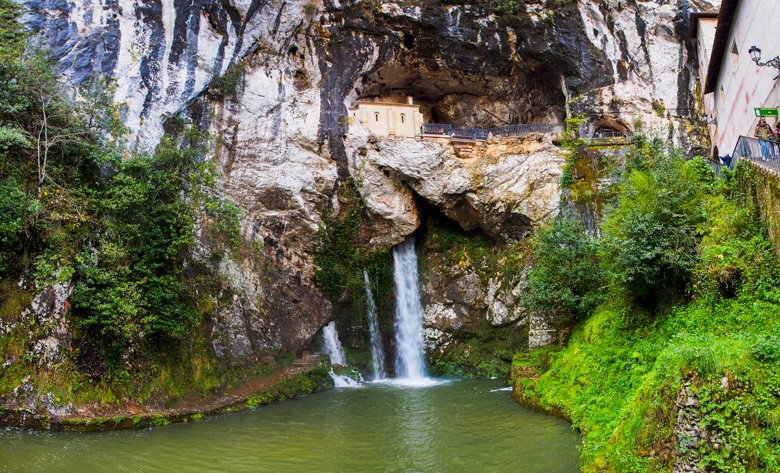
(436, 129)
(754, 149)
(611, 134)
(482, 134)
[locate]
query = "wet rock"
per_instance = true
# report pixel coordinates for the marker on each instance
(541, 331)
(504, 306)
(391, 208)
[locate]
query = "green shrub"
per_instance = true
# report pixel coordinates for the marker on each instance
(343, 256)
(14, 206)
(129, 286)
(651, 235)
(566, 277)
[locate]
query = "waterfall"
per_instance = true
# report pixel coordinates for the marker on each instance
(410, 364)
(336, 354)
(333, 345)
(377, 353)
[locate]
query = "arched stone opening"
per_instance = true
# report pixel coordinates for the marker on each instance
(609, 127)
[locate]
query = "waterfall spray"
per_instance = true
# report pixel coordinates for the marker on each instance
(336, 353)
(377, 353)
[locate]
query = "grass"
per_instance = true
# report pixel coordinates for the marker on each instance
(618, 384)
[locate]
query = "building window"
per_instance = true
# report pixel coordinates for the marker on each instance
(376, 116)
(403, 118)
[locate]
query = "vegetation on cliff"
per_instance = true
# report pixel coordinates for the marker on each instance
(678, 364)
(80, 210)
(341, 259)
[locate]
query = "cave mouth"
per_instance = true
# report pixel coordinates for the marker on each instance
(452, 97)
(431, 217)
(409, 41)
(606, 127)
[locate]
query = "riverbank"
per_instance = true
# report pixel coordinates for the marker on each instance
(697, 388)
(299, 378)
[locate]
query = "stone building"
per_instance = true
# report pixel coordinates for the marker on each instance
(389, 119)
(733, 84)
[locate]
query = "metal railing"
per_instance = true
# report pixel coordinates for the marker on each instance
(610, 134)
(609, 137)
(481, 134)
(764, 152)
(436, 129)
(469, 134)
(526, 128)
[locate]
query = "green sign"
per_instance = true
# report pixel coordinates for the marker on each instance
(766, 112)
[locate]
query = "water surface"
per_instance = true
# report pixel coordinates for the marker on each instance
(460, 426)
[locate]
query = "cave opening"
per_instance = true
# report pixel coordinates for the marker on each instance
(409, 41)
(452, 97)
(431, 217)
(608, 127)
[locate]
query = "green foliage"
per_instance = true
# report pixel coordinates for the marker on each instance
(673, 227)
(343, 256)
(651, 236)
(129, 286)
(14, 207)
(485, 354)
(300, 384)
(229, 83)
(566, 277)
(76, 206)
(12, 34)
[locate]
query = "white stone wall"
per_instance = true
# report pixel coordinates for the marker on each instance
(389, 119)
(742, 85)
(705, 39)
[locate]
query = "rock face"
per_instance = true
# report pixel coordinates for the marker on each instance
(267, 310)
(652, 75)
(503, 188)
(274, 168)
(162, 53)
(456, 300)
(280, 119)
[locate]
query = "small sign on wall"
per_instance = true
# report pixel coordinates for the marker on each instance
(766, 112)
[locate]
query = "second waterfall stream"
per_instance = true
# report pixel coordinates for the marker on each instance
(336, 354)
(377, 351)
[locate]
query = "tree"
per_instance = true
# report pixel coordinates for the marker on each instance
(566, 276)
(651, 235)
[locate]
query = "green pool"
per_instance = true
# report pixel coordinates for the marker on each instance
(457, 426)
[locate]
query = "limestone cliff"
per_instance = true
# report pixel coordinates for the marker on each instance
(272, 81)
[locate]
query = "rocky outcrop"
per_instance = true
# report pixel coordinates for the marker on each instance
(653, 78)
(161, 53)
(692, 436)
(457, 299)
(265, 310)
(502, 189)
(44, 322)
